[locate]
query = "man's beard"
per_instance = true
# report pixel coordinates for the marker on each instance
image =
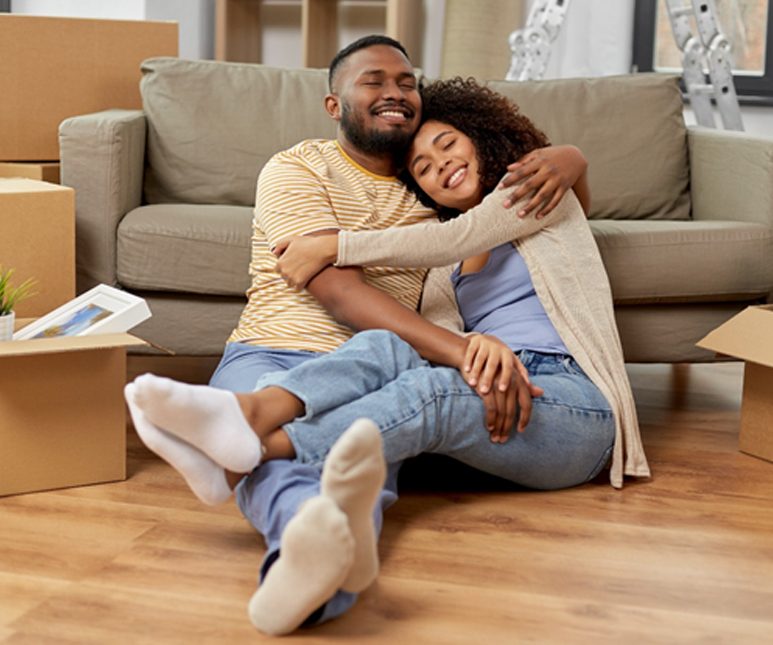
(394, 141)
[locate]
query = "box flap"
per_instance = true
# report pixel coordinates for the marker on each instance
(67, 344)
(747, 335)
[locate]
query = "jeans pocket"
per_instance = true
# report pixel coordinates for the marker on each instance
(571, 366)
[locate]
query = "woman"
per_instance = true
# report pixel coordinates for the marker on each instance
(545, 297)
(467, 134)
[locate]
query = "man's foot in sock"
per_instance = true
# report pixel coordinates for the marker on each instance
(353, 476)
(316, 555)
(205, 478)
(205, 417)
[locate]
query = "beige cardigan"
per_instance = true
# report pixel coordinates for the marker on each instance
(568, 276)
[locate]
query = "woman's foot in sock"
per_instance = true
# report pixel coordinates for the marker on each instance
(353, 476)
(207, 418)
(206, 479)
(316, 555)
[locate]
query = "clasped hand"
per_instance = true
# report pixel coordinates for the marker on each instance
(546, 174)
(303, 256)
(502, 381)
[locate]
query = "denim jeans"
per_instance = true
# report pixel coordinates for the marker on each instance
(271, 495)
(420, 408)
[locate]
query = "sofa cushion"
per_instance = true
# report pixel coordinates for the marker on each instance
(632, 132)
(212, 125)
(693, 261)
(206, 250)
(187, 248)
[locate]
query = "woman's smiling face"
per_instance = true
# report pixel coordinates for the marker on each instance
(444, 164)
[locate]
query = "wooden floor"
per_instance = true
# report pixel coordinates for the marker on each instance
(685, 557)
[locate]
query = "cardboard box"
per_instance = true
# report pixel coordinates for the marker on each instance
(55, 68)
(749, 336)
(37, 239)
(42, 171)
(62, 413)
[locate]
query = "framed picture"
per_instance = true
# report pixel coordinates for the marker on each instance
(102, 310)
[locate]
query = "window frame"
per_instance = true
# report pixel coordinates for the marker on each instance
(751, 89)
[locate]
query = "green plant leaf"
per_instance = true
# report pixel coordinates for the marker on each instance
(11, 296)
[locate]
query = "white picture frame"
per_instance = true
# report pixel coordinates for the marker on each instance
(101, 310)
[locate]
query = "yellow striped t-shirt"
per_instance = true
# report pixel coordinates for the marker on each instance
(311, 187)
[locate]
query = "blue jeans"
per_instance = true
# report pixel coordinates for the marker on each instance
(271, 495)
(420, 408)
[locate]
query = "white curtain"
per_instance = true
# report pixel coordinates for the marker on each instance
(595, 40)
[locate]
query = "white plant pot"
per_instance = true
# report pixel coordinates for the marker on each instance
(6, 326)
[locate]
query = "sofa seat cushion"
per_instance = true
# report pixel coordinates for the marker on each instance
(186, 248)
(652, 261)
(206, 249)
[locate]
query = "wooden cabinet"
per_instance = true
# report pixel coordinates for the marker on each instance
(238, 28)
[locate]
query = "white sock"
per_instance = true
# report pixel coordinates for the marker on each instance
(315, 556)
(205, 478)
(353, 476)
(205, 417)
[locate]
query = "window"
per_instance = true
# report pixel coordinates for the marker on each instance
(747, 25)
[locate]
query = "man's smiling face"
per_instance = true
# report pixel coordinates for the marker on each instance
(378, 99)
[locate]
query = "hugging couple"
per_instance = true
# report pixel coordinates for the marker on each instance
(352, 355)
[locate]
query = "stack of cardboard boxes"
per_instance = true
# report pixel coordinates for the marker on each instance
(62, 419)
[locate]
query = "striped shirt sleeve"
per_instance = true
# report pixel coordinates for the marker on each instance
(291, 200)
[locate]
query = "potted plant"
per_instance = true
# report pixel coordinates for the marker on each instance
(9, 297)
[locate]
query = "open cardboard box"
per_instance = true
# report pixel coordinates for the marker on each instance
(749, 336)
(62, 413)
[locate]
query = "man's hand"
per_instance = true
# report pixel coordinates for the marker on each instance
(487, 360)
(546, 174)
(303, 256)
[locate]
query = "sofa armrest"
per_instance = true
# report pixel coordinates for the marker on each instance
(731, 176)
(102, 158)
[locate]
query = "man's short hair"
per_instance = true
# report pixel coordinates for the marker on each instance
(357, 45)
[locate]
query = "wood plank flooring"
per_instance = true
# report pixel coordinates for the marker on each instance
(684, 558)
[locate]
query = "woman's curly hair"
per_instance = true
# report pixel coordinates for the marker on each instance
(499, 132)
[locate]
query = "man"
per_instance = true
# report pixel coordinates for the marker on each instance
(318, 529)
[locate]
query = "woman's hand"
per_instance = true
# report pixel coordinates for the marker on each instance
(487, 356)
(546, 174)
(487, 360)
(303, 256)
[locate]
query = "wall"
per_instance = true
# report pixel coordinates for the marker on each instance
(118, 9)
(595, 39)
(196, 20)
(757, 119)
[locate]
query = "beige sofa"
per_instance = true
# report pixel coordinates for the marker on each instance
(683, 217)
